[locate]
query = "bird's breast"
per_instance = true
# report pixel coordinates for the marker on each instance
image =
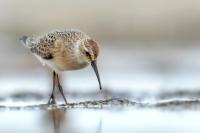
(68, 64)
(66, 60)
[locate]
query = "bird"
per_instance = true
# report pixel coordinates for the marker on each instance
(64, 50)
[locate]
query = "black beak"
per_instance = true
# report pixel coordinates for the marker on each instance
(94, 66)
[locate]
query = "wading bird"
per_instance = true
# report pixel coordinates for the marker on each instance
(63, 51)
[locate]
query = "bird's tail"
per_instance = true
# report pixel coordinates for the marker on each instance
(27, 42)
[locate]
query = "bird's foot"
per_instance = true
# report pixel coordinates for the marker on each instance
(65, 101)
(51, 100)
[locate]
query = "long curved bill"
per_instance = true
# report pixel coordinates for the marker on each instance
(94, 66)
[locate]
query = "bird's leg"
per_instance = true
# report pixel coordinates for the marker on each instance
(52, 97)
(61, 89)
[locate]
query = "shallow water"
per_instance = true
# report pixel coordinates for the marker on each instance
(101, 116)
(98, 121)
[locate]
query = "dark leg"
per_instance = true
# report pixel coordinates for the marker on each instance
(61, 89)
(52, 97)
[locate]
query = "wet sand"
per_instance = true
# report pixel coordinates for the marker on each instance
(169, 113)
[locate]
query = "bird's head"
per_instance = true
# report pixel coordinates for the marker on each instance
(90, 50)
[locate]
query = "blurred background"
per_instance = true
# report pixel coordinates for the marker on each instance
(146, 46)
(149, 51)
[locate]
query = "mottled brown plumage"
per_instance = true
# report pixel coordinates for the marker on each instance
(45, 44)
(65, 50)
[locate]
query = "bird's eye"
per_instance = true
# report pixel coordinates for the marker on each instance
(87, 54)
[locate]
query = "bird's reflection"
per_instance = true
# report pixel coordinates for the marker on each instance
(61, 120)
(57, 117)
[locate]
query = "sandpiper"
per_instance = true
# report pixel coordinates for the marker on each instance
(63, 51)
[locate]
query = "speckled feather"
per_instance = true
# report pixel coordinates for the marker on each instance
(45, 45)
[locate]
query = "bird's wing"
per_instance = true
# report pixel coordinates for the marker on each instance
(53, 42)
(44, 46)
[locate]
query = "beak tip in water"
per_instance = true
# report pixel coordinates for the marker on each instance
(100, 88)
